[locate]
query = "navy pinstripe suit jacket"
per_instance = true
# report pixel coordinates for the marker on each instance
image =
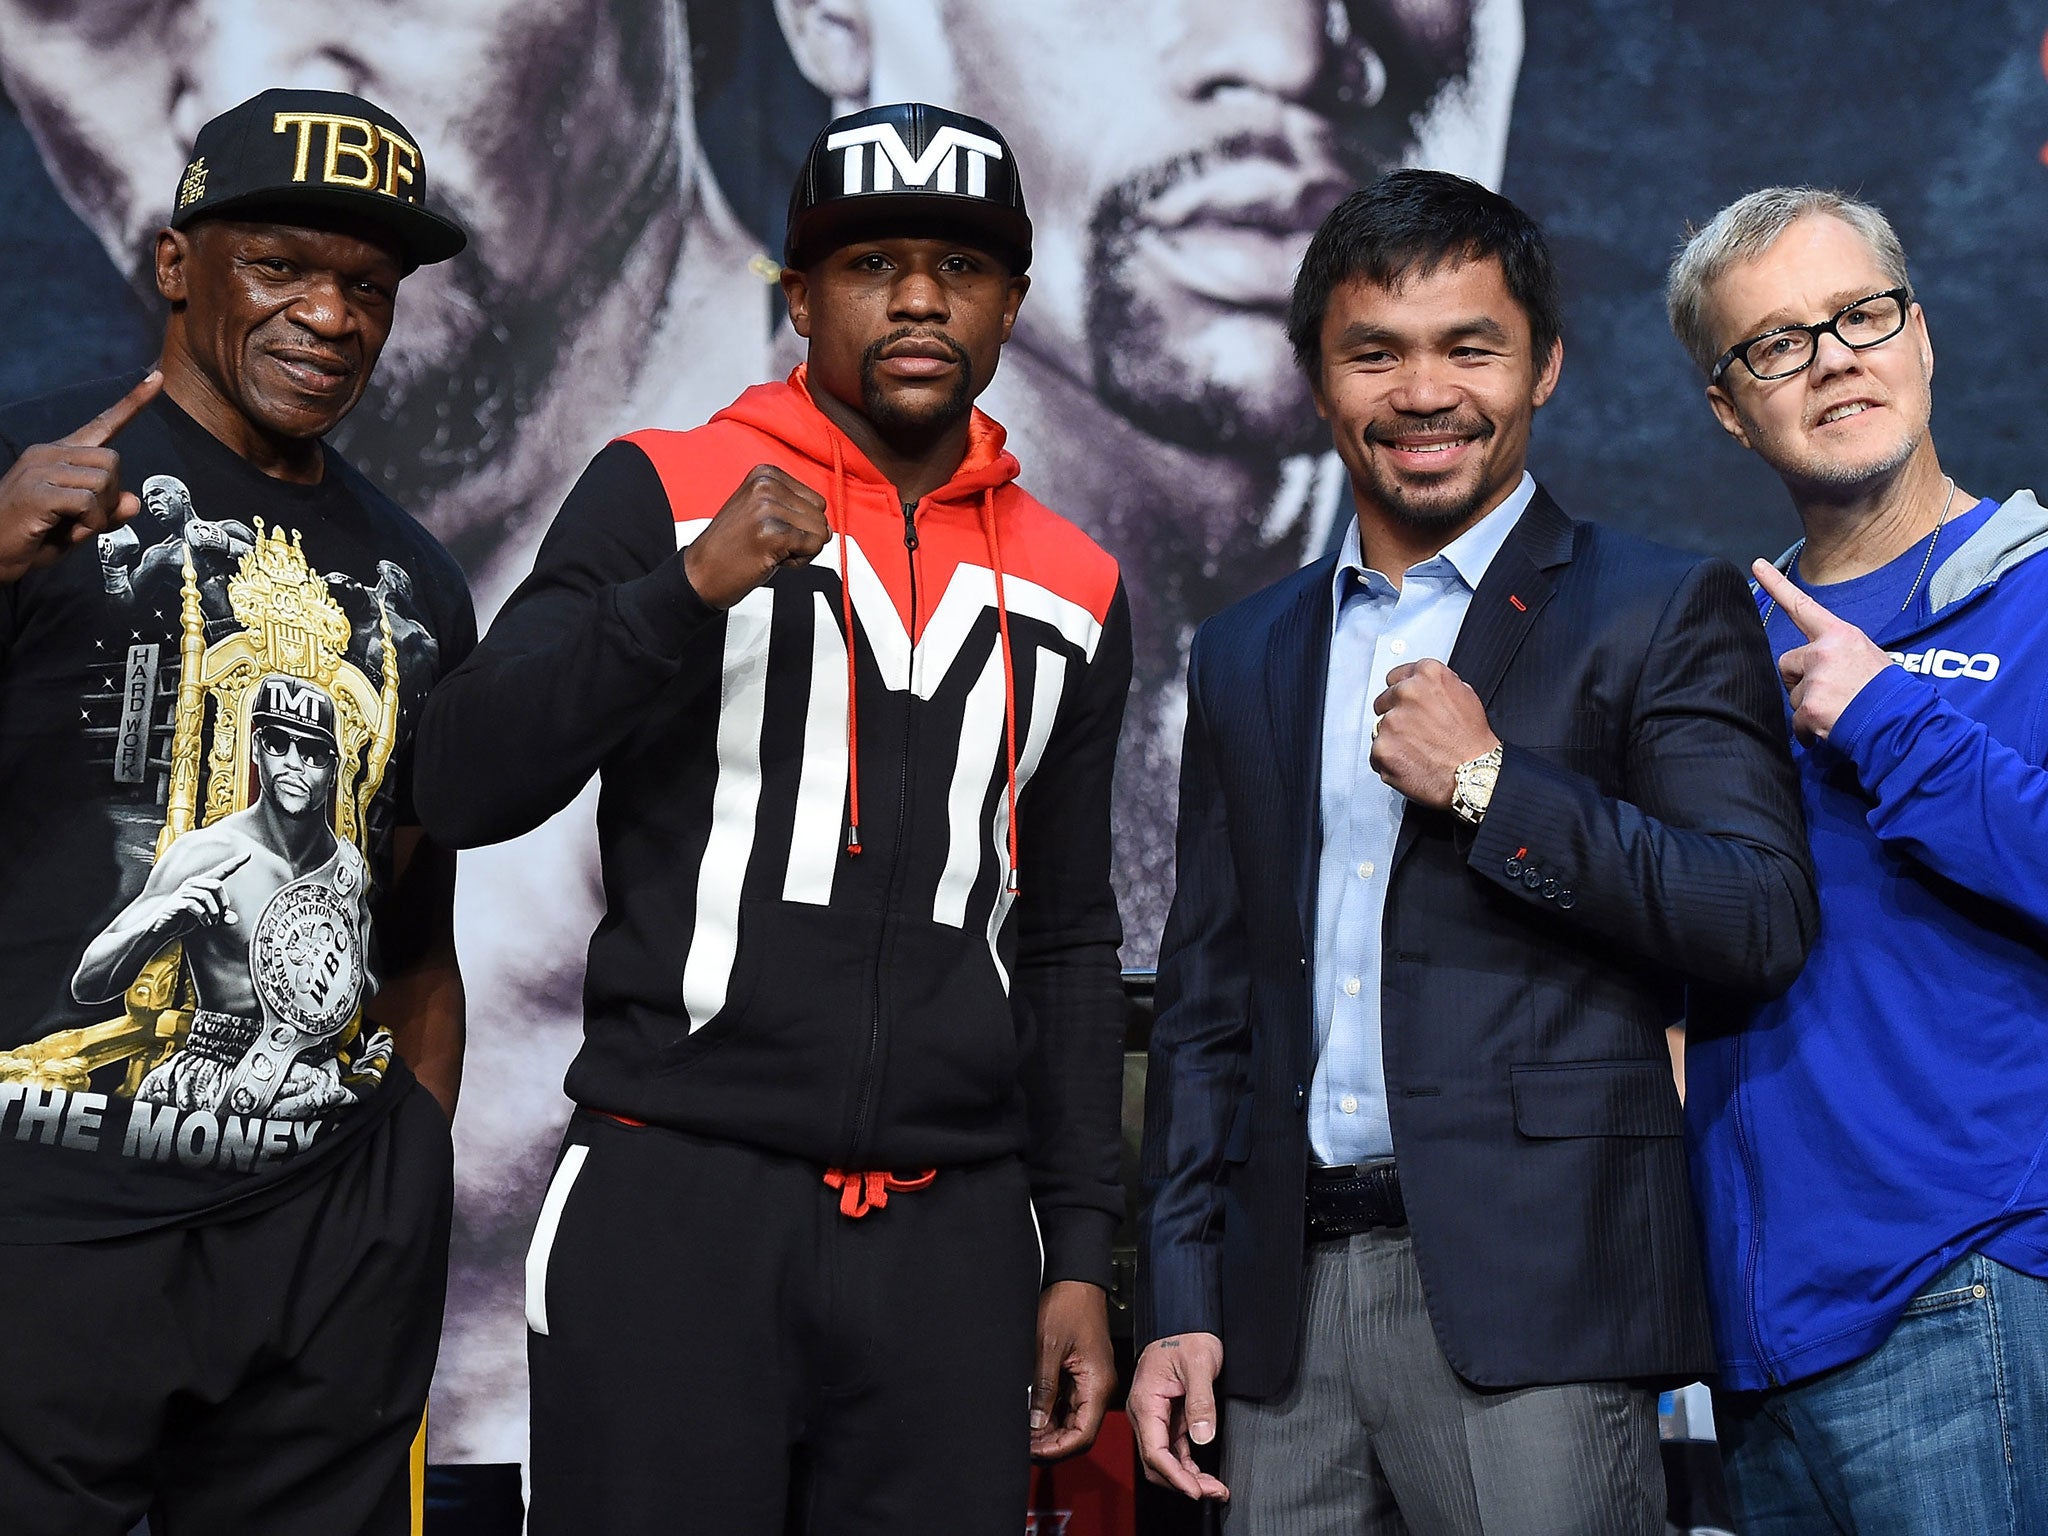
(1643, 857)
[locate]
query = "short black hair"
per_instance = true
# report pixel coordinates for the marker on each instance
(1412, 222)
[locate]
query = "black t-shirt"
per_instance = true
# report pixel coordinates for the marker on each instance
(205, 747)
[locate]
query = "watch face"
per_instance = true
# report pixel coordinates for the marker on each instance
(1474, 789)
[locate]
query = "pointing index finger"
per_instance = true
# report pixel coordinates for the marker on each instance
(1813, 619)
(101, 430)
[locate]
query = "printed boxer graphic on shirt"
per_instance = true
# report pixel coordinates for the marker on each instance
(263, 713)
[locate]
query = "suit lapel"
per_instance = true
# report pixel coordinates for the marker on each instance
(1297, 667)
(1512, 592)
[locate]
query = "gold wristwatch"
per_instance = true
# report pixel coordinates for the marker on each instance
(1472, 788)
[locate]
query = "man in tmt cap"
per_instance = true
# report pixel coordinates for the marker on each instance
(228, 991)
(853, 1024)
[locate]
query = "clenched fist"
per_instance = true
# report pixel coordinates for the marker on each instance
(1430, 721)
(771, 521)
(63, 493)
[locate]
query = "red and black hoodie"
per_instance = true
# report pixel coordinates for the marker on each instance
(854, 831)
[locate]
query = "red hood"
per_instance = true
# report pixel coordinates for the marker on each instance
(787, 413)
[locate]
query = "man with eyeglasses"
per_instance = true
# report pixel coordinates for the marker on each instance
(1868, 1150)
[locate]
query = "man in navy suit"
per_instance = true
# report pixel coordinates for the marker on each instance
(1470, 813)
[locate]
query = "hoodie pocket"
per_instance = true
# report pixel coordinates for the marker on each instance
(951, 1057)
(735, 988)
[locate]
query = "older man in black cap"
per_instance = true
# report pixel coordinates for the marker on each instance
(853, 1023)
(228, 991)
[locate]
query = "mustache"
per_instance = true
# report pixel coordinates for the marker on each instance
(1142, 188)
(871, 354)
(1449, 423)
(1121, 210)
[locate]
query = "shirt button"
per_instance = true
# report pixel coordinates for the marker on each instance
(1351, 987)
(1348, 1104)
(1398, 647)
(1550, 890)
(1514, 869)
(1567, 898)
(1365, 870)
(1532, 876)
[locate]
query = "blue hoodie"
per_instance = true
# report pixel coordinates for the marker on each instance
(1889, 1113)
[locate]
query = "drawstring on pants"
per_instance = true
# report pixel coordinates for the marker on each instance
(860, 1193)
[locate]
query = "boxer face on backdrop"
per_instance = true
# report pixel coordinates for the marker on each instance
(558, 134)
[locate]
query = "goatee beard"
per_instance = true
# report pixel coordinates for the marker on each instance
(902, 430)
(1394, 498)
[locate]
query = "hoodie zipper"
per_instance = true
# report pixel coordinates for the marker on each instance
(867, 1076)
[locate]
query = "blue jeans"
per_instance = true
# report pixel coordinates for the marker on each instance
(1942, 1431)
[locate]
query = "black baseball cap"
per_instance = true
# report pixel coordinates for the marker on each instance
(904, 169)
(293, 704)
(320, 149)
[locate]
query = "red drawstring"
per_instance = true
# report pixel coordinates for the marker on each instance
(838, 499)
(860, 1193)
(995, 559)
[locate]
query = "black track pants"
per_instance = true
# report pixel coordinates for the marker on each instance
(254, 1376)
(717, 1351)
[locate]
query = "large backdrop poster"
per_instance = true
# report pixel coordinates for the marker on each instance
(623, 166)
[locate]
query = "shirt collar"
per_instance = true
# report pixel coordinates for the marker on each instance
(1469, 554)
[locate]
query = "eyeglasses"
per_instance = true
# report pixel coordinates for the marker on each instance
(275, 741)
(1789, 349)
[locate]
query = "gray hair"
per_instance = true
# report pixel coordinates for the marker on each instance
(1745, 229)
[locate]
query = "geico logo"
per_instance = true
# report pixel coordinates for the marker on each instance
(351, 141)
(1937, 663)
(934, 169)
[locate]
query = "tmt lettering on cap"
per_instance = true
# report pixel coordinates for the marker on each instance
(935, 170)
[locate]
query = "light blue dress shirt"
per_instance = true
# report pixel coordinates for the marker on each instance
(1375, 627)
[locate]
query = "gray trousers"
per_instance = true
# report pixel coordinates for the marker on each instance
(1378, 1436)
